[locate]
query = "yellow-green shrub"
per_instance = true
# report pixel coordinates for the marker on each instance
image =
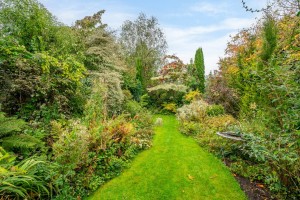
(192, 95)
(170, 107)
(220, 123)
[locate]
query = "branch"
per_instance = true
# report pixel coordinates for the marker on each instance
(248, 9)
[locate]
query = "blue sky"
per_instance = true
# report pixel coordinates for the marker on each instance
(187, 24)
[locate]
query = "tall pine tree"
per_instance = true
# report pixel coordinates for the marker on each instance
(200, 69)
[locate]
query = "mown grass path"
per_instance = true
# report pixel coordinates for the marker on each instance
(174, 168)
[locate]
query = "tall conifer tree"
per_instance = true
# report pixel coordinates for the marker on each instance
(200, 69)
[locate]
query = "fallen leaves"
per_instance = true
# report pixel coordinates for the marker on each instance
(190, 177)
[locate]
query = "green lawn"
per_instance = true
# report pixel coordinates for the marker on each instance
(174, 168)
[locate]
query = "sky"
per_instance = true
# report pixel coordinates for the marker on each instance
(187, 24)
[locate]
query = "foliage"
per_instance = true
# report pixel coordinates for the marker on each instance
(169, 86)
(9, 125)
(258, 82)
(95, 155)
(24, 180)
(170, 107)
(143, 30)
(66, 84)
(103, 60)
(200, 69)
(145, 101)
(28, 22)
(21, 143)
(112, 94)
(199, 117)
(218, 92)
(215, 110)
(70, 149)
(192, 95)
(33, 79)
(139, 79)
(190, 128)
(143, 44)
(133, 108)
(12, 138)
(278, 154)
(195, 111)
(201, 120)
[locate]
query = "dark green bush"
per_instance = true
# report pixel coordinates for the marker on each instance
(133, 107)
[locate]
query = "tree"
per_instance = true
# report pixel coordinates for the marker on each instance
(139, 79)
(103, 60)
(29, 22)
(200, 68)
(269, 38)
(170, 85)
(143, 40)
(35, 75)
(286, 7)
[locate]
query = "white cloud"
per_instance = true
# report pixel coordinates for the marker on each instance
(184, 42)
(68, 13)
(209, 8)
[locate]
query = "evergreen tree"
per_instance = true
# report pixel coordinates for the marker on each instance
(139, 80)
(200, 69)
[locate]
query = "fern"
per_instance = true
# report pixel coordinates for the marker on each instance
(9, 125)
(21, 142)
(12, 140)
(5, 157)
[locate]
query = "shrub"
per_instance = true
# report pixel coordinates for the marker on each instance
(279, 154)
(10, 125)
(195, 111)
(203, 121)
(219, 92)
(145, 101)
(71, 148)
(22, 143)
(13, 138)
(215, 110)
(190, 128)
(170, 107)
(220, 123)
(192, 95)
(133, 107)
(144, 120)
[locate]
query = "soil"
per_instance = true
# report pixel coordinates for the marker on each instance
(253, 190)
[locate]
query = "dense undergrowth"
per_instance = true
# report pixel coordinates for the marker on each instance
(258, 84)
(68, 122)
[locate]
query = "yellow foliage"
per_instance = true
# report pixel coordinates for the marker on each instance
(121, 131)
(220, 123)
(172, 107)
(233, 69)
(192, 95)
(128, 128)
